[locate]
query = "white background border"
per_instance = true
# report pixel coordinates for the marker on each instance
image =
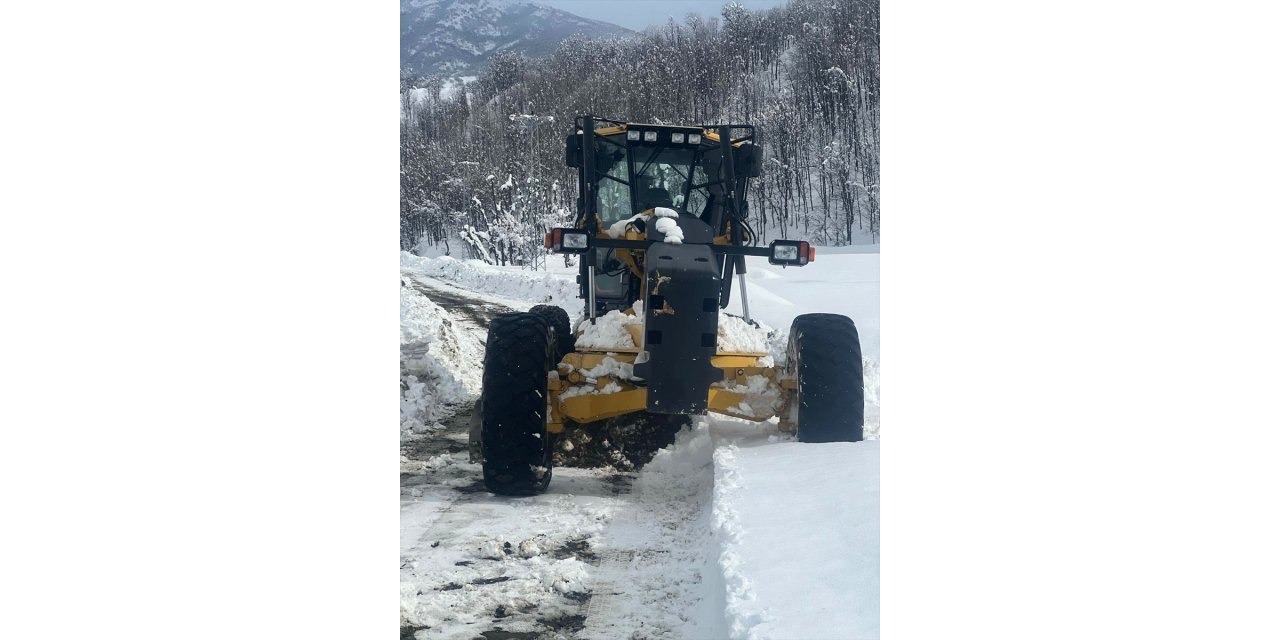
(197, 263)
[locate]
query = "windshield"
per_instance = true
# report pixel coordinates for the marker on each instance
(661, 179)
(661, 176)
(614, 193)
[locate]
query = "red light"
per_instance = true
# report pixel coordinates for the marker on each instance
(813, 254)
(546, 242)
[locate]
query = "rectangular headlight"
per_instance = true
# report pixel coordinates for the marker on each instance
(790, 253)
(695, 138)
(677, 138)
(786, 253)
(564, 240)
(651, 136)
(633, 134)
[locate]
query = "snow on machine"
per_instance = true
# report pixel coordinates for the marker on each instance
(661, 228)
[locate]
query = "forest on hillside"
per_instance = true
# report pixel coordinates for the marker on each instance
(484, 165)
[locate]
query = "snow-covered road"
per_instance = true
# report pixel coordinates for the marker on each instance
(602, 554)
(714, 538)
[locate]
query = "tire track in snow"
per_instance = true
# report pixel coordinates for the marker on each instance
(470, 310)
(600, 555)
(473, 563)
(658, 576)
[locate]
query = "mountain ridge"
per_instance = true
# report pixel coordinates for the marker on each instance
(456, 37)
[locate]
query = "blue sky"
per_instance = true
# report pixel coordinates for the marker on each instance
(638, 14)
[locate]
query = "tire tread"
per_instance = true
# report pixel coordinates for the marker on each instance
(825, 355)
(513, 431)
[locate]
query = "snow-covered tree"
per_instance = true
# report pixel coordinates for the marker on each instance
(483, 162)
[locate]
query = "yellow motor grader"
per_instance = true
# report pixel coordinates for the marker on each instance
(662, 228)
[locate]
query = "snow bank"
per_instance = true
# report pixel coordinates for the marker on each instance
(556, 287)
(799, 533)
(436, 360)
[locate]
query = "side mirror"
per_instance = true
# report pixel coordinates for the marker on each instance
(749, 160)
(573, 150)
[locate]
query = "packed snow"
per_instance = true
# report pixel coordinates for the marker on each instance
(736, 335)
(610, 330)
(609, 367)
(763, 399)
(590, 389)
(468, 560)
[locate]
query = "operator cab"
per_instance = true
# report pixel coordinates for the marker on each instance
(639, 167)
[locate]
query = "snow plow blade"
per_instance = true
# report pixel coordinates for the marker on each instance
(588, 408)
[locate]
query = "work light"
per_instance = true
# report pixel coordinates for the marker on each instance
(677, 138)
(567, 240)
(790, 252)
(651, 136)
(695, 138)
(633, 135)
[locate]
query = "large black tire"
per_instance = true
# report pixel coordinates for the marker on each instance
(825, 357)
(514, 444)
(559, 320)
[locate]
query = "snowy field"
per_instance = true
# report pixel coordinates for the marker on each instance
(733, 531)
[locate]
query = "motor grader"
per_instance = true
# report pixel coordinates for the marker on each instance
(661, 228)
